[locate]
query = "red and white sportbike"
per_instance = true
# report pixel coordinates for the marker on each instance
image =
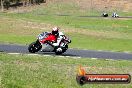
(45, 43)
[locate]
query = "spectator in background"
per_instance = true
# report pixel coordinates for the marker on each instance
(105, 14)
(115, 14)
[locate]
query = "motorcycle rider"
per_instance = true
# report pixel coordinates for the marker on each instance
(55, 36)
(59, 36)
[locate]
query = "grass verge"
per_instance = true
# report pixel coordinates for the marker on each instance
(24, 71)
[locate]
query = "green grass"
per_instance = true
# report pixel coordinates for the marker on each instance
(97, 37)
(25, 40)
(86, 33)
(23, 71)
(79, 22)
(86, 42)
(96, 43)
(74, 8)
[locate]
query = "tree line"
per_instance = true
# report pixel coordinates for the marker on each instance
(6, 4)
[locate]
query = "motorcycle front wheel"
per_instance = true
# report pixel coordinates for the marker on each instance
(59, 50)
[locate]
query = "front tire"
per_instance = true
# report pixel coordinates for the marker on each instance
(64, 49)
(58, 51)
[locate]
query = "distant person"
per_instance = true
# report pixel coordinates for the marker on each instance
(105, 14)
(59, 35)
(115, 15)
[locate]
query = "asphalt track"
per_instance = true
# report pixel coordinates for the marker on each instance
(71, 52)
(86, 16)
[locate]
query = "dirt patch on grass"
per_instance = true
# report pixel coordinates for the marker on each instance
(84, 5)
(23, 27)
(106, 5)
(24, 65)
(100, 5)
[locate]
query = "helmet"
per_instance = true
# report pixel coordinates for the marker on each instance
(55, 30)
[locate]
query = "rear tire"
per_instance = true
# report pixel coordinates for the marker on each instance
(31, 48)
(105, 15)
(34, 47)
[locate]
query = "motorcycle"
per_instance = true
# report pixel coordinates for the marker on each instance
(48, 46)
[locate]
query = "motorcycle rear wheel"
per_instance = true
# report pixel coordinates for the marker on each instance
(34, 47)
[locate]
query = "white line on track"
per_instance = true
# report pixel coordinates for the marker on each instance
(127, 52)
(47, 55)
(94, 58)
(78, 57)
(43, 55)
(61, 56)
(14, 53)
(33, 54)
(67, 56)
(57, 56)
(109, 59)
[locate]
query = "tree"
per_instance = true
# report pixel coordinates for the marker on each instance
(6, 4)
(2, 7)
